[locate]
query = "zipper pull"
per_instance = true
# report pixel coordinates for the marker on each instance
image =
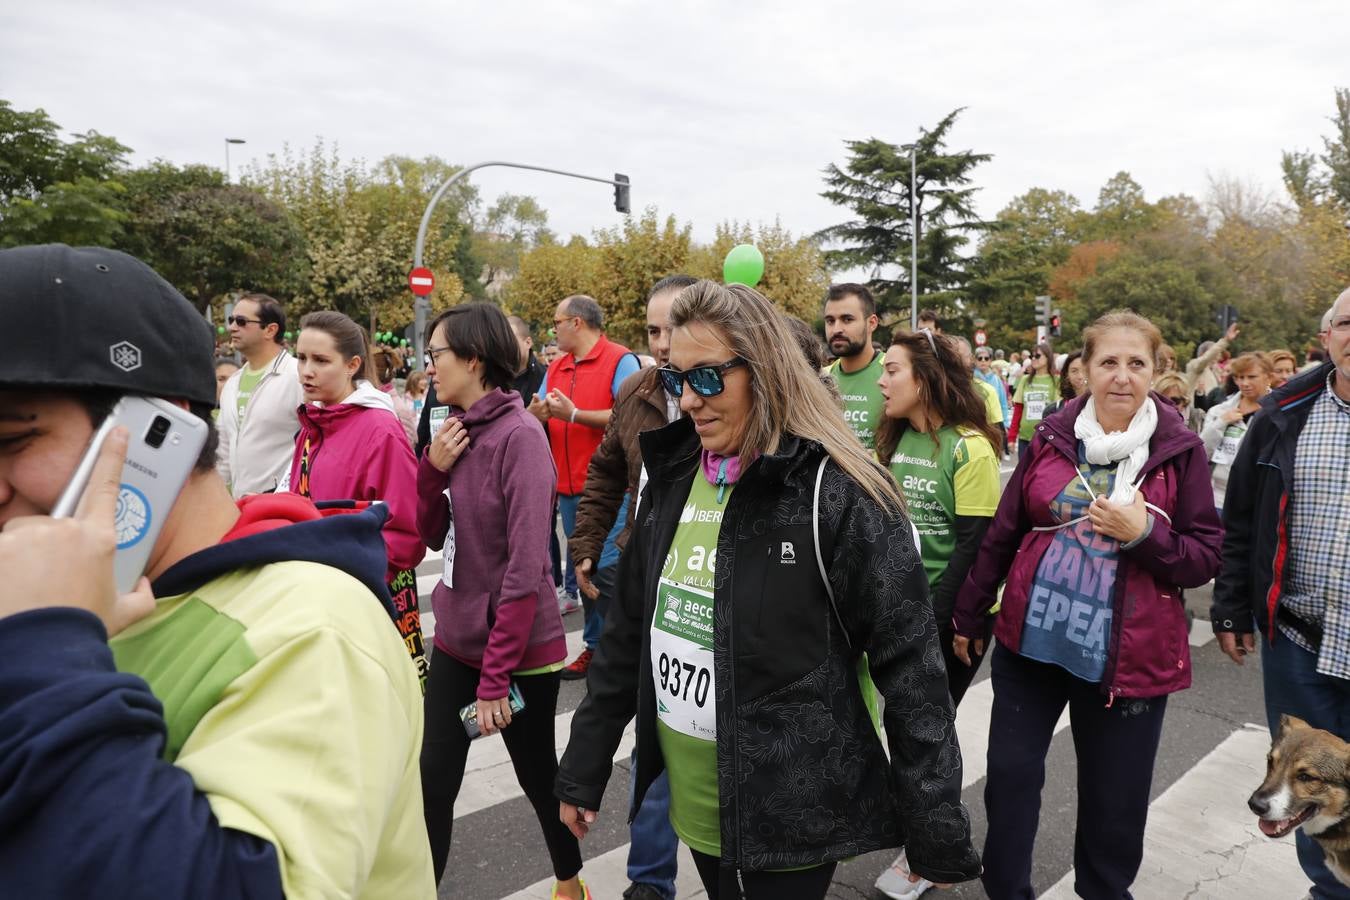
(740, 882)
(1110, 698)
(722, 483)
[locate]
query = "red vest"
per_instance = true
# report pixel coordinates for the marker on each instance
(587, 383)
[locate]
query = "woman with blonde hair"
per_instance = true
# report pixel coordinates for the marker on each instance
(1226, 424)
(1283, 366)
(774, 553)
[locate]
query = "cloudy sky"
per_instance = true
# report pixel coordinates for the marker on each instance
(715, 110)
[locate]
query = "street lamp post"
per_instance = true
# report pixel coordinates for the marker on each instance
(422, 305)
(228, 142)
(913, 241)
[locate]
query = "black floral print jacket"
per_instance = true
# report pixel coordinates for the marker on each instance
(802, 777)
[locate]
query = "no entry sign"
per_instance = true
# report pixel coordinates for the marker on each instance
(421, 281)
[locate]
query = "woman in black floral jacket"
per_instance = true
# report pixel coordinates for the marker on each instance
(743, 664)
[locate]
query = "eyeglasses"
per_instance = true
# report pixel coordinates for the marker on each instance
(433, 352)
(241, 321)
(1341, 323)
(707, 381)
(983, 357)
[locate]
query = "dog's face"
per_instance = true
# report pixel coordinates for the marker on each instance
(1307, 781)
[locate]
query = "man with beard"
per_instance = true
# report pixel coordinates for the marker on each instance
(850, 320)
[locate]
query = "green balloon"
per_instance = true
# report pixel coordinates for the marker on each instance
(388, 336)
(220, 329)
(403, 342)
(743, 265)
(288, 335)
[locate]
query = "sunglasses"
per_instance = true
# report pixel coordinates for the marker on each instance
(243, 322)
(985, 357)
(707, 381)
(1177, 401)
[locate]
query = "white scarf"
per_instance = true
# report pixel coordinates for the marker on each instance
(1129, 448)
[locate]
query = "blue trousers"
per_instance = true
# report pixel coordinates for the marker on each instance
(651, 855)
(1294, 686)
(567, 506)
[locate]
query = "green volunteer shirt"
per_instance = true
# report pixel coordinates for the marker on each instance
(1035, 393)
(248, 383)
(682, 668)
(956, 475)
(862, 397)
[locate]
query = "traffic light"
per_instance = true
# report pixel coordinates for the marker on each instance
(621, 193)
(1043, 311)
(1054, 324)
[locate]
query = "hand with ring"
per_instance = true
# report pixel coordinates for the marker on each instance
(493, 715)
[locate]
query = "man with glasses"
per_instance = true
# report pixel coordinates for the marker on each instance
(574, 403)
(850, 321)
(1285, 556)
(258, 404)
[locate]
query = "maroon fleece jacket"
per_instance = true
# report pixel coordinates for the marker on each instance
(501, 615)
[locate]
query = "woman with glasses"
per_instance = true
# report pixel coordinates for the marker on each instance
(498, 629)
(1172, 388)
(1106, 519)
(1226, 424)
(937, 440)
(773, 554)
(1036, 390)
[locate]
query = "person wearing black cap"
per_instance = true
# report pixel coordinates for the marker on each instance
(247, 722)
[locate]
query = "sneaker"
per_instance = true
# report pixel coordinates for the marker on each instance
(639, 891)
(895, 883)
(585, 891)
(579, 667)
(568, 601)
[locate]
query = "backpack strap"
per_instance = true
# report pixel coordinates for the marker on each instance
(820, 560)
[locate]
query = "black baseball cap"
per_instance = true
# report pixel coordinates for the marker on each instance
(89, 317)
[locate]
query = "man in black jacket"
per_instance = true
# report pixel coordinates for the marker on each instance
(1285, 558)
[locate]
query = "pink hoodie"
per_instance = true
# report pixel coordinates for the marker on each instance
(358, 451)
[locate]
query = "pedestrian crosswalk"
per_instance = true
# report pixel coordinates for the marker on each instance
(1201, 841)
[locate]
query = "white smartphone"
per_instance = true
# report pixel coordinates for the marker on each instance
(163, 446)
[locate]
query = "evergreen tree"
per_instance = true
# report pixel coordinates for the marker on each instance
(874, 184)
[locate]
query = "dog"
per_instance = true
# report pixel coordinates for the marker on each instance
(1308, 785)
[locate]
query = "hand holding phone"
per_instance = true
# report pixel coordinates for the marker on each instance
(478, 717)
(69, 562)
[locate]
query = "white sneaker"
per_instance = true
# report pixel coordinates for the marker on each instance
(568, 602)
(895, 883)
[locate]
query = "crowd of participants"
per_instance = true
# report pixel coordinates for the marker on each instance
(247, 722)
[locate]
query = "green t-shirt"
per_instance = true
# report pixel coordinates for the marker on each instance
(248, 382)
(955, 476)
(1035, 393)
(682, 669)
(862, 398)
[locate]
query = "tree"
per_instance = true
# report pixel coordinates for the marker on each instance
(1029, 238)
(1336, 150)
(633, 257)
(795, 278)
(209, 238)
(57, 191)
(548, 273)
(875, 185)
(512, 226)
(360, 226)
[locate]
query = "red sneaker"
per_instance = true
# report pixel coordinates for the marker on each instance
(579, 666)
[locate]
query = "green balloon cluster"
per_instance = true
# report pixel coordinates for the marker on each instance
(743, 265)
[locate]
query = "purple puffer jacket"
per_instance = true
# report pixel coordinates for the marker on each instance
(1149, 654)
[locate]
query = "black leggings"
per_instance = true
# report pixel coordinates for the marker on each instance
(720, 882)
(529, 739)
